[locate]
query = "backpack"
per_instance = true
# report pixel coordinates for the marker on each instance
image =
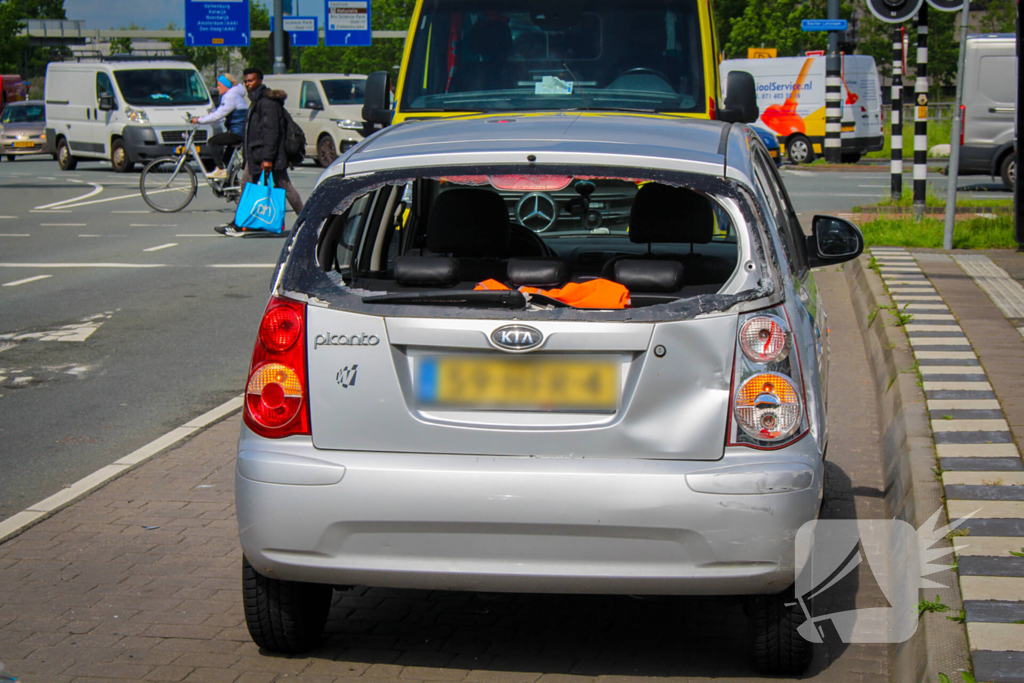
(294, 140)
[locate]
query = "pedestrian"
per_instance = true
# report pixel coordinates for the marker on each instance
(232, 110)
(265, 128)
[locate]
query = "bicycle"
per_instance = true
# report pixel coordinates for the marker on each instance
(168, 184)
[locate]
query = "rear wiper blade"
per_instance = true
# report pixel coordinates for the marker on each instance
(475, 298)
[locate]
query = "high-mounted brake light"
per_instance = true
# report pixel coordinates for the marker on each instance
(276, 394)
(531, 183)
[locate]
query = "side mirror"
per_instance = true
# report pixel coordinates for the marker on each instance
(377, 98)
(314, 105)
(107, 102)
(833, 240)
(740, 99)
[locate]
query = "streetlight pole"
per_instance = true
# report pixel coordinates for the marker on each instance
(958, 122)
(279, 36)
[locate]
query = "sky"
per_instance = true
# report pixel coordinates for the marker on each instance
(152, 14)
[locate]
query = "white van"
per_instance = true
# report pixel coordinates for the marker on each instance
(990, 107)
(121, 109)
(328, 108)
(791, 97)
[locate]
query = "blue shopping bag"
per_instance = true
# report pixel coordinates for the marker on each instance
(261, 206)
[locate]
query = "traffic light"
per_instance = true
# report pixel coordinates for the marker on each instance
(896, 11)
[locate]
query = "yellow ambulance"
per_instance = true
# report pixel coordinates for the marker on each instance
(480, 57)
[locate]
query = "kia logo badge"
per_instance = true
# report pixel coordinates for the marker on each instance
(517, 337)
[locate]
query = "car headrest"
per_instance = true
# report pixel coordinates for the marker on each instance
(662, 213)
(546, 272)
(469, 222)
(648, 275)
(426, 271)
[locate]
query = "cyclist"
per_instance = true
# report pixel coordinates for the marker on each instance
(232, 110)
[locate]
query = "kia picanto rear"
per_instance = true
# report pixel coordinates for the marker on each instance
(527, 377)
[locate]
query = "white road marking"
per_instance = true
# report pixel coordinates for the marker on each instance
(96, 189)
(1005, 292)
(199, 235)
(90, 235)
(82, 265)
(34, 513)
(997, 425)
(162, 246)
(240, 265)
(153, 225)
(26, 280)
(131, 212)
(75, 332)
(50, 211)
(976, 450)
(14, 234)
(8, 216)
(63, 225)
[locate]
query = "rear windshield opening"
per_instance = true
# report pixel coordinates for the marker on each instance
(530, 241)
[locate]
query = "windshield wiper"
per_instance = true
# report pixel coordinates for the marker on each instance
(473, 298)
(638, 110)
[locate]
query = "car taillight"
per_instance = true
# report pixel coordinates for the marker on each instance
(767, 394)
(963, 122)
(764, 338)
(276, 394)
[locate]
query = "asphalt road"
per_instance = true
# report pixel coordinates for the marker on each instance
(118, 324)
(137, 322)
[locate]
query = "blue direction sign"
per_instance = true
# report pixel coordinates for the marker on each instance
(216, 22)
(347, 23)
(823, 25)
(303, 31)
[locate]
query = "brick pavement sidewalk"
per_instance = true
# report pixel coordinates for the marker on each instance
(141, 579)
(964, 311)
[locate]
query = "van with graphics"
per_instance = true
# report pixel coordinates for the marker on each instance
(479, 57)
(791, 99)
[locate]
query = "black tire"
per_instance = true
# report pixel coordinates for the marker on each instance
(1008, 170)
(11, 157)
(65, 159)
(119, 160)
(326, 153)
(163, 193)
(799, 149)
(284, 616)
(850, 157)
(775, 645)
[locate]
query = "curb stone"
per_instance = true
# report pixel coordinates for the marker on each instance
(912, 491)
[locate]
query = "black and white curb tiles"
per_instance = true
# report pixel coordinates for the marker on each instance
(981, 469)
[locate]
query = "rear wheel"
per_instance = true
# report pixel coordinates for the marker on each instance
(119, 160)
(775, 645)
(11, 157)
(165, 187)
(284, 616)
(850, 157)
(65, 159)
(325, 151)
(1008, 171)
(799, 149)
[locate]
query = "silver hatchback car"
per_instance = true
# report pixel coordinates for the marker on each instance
(566, 353)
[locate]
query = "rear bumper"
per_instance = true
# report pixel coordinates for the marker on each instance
(518, 524)
(976, 159)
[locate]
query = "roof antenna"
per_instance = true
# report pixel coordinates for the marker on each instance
(586, 106)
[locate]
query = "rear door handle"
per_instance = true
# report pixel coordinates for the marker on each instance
(1001, 110)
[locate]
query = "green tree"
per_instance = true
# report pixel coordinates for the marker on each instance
(15, 51)
(202, 57)
(257, 54)
(382, 55)
(776, 23)
(726, 12)
(1001, 17)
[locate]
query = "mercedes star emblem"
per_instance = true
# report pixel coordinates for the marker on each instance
(537, 211)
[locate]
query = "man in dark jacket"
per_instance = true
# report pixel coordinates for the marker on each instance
(265, 128)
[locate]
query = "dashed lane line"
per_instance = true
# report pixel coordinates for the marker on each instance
(9, 217)
(240, 265)
(25, 281)
(14, 234)
(50, 211)
(131, 212)
(199, 235)
(162, 246)
(44, 508)
(153, 225)
(63, 225)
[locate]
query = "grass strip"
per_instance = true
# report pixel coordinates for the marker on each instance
(975, 233)
(938, 200)
(938, 134)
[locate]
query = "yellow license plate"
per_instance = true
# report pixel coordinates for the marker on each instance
(24, 144)
(489, 383)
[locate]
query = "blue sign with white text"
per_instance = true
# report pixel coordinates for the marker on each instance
(347, 23)
(217, 22)
(303, 31)
(823, 25)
